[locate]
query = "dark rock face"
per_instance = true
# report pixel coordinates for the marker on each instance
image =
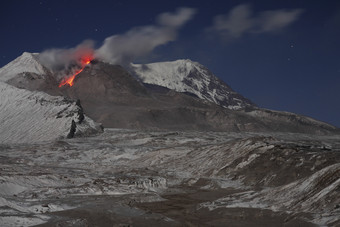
(72, 130)
(81, 116)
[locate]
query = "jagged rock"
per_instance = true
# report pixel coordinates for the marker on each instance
(72, 130)
(80, 112)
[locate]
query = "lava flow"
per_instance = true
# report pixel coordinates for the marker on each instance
(69, 80)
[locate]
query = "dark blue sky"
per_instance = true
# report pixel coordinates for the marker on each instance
(295, 68)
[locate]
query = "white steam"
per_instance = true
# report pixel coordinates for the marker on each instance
(124, 48)
(138, 42)
(59, 59)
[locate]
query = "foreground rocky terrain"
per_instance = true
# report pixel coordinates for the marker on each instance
(142, 178)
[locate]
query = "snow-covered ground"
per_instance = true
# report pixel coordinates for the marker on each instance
(123, 169)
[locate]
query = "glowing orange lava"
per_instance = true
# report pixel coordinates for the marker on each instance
(69, 80)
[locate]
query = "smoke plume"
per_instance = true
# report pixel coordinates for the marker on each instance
(123, 48)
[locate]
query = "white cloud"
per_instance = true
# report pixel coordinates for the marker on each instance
(176, 19)
(277, 19)
(242, 20)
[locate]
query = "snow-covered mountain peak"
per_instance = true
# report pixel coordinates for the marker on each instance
(27, 62)
(188, 76)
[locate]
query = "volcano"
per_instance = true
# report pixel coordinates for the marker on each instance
(186, 97)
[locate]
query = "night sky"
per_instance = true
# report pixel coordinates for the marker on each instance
(282, 55)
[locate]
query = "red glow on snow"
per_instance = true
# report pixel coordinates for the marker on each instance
(69, 80)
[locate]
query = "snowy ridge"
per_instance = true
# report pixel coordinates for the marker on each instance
(308, 194)
(189, 76)
(267, 114)
(27, 62)
(27, 116)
